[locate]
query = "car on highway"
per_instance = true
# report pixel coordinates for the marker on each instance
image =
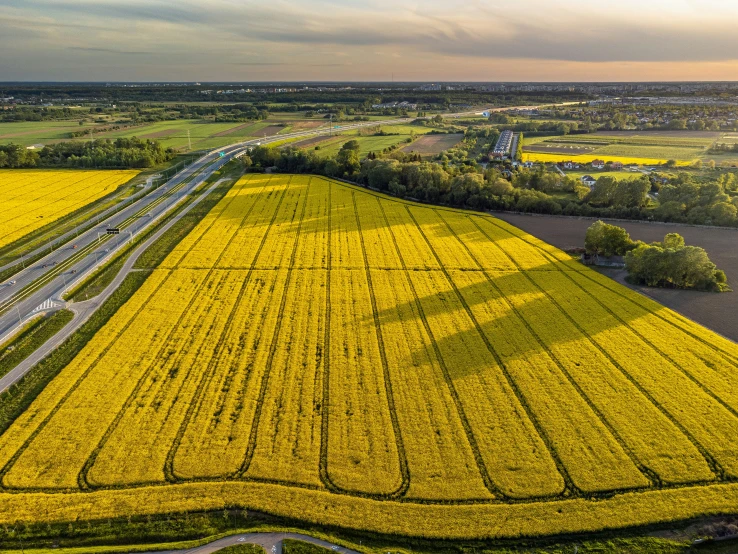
(12, 282)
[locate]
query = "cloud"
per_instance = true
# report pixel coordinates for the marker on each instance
(377, 36)
(109, 51)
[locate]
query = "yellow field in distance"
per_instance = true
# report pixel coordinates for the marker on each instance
(542, 157)
(30, 199)
(317, 351)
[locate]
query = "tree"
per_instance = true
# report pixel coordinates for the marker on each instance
(631, 193)
(353, 144)
(501, 187)
(673, 264)
(581, 191)
(674, 241)
(603, 239)
(348, 158)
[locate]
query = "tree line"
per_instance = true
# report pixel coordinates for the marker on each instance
(682, 199)
(131, 153)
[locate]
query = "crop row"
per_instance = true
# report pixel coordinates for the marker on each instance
(311, 335)
(32, 199)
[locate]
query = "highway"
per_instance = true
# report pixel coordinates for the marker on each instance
(39, 287)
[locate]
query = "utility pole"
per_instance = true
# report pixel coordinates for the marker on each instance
(189, 141)
(20, 319)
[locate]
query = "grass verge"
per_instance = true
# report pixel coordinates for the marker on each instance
(31, 338)
(292, 546)
(15, 400)
(242, 549)
(100, 279)
(187, 531)
(156, 253)
(81, 218)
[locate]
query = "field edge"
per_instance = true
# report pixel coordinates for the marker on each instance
(433, 521)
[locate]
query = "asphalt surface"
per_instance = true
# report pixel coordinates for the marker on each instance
(49, 246)
(271, 542)
(39, 288)
(83, 310)
(45, 280)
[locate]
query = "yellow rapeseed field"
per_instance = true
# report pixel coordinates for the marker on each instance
(30, 199)
(321, 352)
(543, 157)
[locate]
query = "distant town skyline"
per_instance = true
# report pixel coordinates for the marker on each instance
(372, 40)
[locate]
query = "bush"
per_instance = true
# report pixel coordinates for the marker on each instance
(607, 240)
(672, 264)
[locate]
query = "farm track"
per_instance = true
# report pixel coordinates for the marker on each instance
(253, 436)
(713, 463)
(324, 419)
(730, 358)
(491, 280)
(484, 472)
(70, 391)
(562, 368)
(133, 395)
(196, 403)
(405, 485)
(650, 474)
(570, 487)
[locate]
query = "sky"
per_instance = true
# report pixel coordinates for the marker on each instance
(368, 40)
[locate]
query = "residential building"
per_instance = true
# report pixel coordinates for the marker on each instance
(589, 181)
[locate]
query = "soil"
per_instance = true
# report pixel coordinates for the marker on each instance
(302, 124)
(430, 145)
(717, 311)
(268, 131)
(233, 129)
(312, 141)
(161, 134)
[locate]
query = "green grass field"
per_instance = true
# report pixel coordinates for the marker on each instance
(203, 134)
(27, 133)
(659, 152)
(367, 144)
(619, 175)
(406, 129)
(682, 148)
